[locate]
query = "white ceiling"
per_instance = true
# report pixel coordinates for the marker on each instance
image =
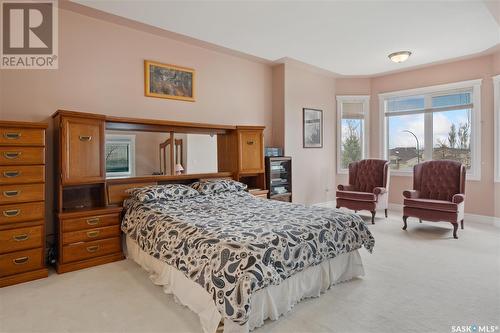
(344, 37)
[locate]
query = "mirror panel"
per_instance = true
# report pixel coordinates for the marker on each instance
(137, 153)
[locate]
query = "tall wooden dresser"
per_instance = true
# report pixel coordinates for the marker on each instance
(22, 202)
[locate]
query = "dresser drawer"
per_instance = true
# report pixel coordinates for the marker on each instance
(20, 239)
(86, 250)
(22, 174)
(22, 136)
(21, 261)
(21, 193)
(21, 155)
(91, 234)
(89, 222)
(22, 212)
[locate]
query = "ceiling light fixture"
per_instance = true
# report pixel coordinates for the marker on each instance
(400, 56)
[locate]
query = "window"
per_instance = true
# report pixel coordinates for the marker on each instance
(496, 87)
(120, 155)
(352, 129)
(439, 122)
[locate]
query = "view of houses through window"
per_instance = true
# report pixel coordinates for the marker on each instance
(429, 126)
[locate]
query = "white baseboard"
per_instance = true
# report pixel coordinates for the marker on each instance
(393, 207)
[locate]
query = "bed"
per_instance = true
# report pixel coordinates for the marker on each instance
(239, 259)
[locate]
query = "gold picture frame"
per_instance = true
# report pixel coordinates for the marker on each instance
(159, 81)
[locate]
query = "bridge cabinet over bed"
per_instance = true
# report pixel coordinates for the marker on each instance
(89, 203)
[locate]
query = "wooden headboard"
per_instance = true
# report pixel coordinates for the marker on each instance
(116, 188)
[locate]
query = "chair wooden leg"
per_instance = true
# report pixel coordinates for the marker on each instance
(385, 213)
(338, 207)
(420, 220)
(373, 216)
(462, 224)
(404, 220)
(455, 228)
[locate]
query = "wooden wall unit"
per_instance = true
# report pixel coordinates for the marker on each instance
(242, 152)
(22, 202)
(89, 205)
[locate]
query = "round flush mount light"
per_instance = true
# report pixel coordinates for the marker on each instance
(400, 56)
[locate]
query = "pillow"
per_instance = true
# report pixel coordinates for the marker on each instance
(218, 186)
(168, 192)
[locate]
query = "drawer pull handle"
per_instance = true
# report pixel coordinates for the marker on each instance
(92, 234)
(11, 212)
(20, 261)
(85, 138)
(21, 238)
(92, 249)
(93, 221)
(11, 174)
(250, 142)
(12, 135)
(11, 155)
(12, 193)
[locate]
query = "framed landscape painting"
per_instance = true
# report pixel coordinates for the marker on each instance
(168, 81)
(313, 128)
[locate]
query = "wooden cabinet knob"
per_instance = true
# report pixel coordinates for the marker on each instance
(11, 155)
(11, 212)
(92, 234)
(93, 221)
(21, 260)
(92, 249)
(85, 138)
(12, 135)
(11, 174)
(11, 193)
(21, 238)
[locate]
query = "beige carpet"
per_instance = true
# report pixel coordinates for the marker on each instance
(421, 280)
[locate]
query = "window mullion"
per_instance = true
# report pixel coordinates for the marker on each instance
(428, 129)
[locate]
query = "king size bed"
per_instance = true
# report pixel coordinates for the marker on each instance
(235, 258)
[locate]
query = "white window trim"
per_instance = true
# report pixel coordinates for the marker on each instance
(496, 106)
(475, 172)
(121, 138)
(365, 99)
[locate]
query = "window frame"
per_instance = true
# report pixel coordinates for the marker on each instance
(122, 138)
(496, 107)
(365, 100)
(474, 173)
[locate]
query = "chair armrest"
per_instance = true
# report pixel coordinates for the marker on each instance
(345, 187)
(379, 190)
(411, 194)
(458, 198)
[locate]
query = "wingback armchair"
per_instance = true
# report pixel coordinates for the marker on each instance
(438, 193)
(368, 187)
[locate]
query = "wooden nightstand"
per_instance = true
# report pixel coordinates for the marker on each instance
(259, 192)
(89, 238)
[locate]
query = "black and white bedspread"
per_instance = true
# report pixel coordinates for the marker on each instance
(234, 244)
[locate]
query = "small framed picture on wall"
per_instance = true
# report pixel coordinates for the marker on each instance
(168, 81)
(313, 128)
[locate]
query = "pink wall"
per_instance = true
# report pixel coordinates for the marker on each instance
(480, 194)
(101, 71)
(278, 138)
(496, 71)
(313, 169)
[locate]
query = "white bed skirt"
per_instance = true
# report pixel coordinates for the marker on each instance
(270, 302)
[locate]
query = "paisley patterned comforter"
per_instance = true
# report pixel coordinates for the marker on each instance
(234, 244)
